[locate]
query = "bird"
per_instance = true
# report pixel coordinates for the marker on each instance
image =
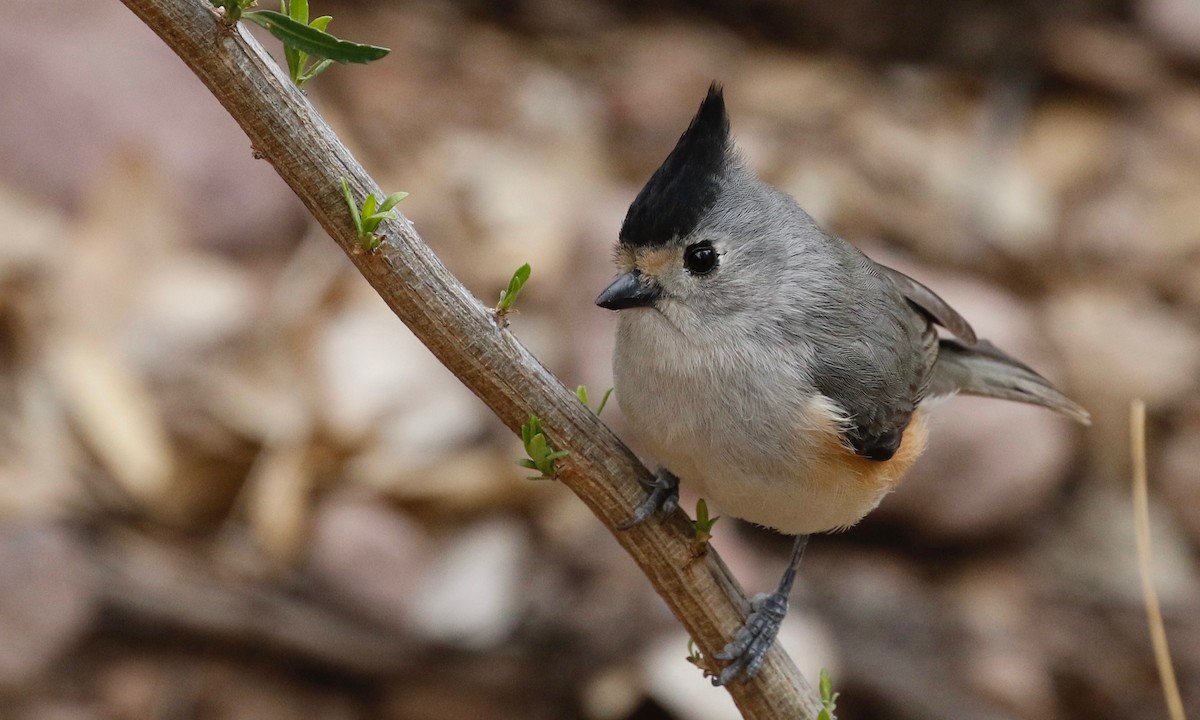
(773, 367)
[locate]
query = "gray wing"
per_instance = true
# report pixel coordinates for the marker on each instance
(879, 355)
(926, 302)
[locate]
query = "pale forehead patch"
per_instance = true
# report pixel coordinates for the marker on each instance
(652, 261)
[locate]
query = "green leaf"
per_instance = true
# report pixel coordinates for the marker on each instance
(537, 446)
(373, 221)
(295, 63)
(368, 208)
(353, 206)
(299, 69)
(519, 278)
(391, 201)
(828, 696)
(581, 393)
(297, 10)
(703, 524)
(541, 455)
(313, 71)
(314, 41)
(509, 296)
(604, 400)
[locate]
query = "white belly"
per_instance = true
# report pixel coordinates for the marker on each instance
(748, 434)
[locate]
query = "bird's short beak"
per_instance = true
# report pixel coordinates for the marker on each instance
(629, 291)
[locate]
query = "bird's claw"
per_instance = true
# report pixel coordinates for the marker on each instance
(663, 495)
(749, 647)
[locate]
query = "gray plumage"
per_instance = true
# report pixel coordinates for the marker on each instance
(857, 332)
(772, 365)
(986, 370)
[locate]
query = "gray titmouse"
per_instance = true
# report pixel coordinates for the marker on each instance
(771, 365)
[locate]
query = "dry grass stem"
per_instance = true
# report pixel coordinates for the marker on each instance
(1141, 520)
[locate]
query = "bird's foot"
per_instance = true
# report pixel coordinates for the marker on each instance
(750, 645)
(664, 495)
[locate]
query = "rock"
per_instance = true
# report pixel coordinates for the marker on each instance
(613, 694)
(1119, 344)
(369, 558)
(588, 607)
(32, 229)
(140, 99)
(116, 414)
(415, 428)
(518, 197)
(461, 481)
(1174, 476)
(681, 687)
(47, 599)
(39, 475)
(1173, 117)
(653, 104)
(279, 500)
(1094, 552)
(1006, 660)
(473, 592)
(374, 377)
(901, 642)
(1174, 23)
(58, 710)
(798, 93)
(130, 686)
(1068, 146)
(914, 168)
(1140, 217)
(133, 685)
(192, 303)
(1009, 204)
(480, 687)
(1110, 57)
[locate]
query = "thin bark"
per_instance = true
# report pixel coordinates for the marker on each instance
(464, 335)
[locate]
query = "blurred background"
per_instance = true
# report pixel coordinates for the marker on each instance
(232, 485)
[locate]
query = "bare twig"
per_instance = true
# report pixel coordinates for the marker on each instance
(1141, 522)
(285, 129)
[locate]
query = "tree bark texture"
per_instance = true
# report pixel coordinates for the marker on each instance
(285, 130)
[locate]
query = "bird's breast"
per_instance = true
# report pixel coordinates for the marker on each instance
(748, 432)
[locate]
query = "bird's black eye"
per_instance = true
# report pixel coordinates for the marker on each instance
(700, 258)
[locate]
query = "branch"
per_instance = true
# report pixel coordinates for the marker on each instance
(285, 129)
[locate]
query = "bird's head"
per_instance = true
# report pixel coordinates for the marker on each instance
(694, 241)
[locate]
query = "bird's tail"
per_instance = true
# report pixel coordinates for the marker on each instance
(984, 369)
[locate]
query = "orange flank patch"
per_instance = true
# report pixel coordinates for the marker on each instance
(856, 484)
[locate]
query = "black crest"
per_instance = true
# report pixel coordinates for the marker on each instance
(684, 187)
